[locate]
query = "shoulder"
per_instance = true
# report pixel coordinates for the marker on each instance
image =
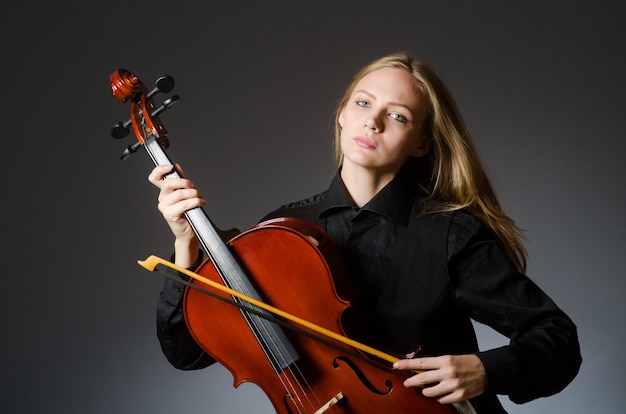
(306, 209)
(456, 221)
(467, 235)
(466, 223)
(461, 228)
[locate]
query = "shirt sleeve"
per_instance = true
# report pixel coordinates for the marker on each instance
(179, 347)
(543, 355)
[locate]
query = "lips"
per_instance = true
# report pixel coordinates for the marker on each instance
(364, 141)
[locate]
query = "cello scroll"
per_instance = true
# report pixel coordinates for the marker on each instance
(144, 115)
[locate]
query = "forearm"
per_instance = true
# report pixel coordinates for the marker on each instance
(176, 341)
(539, 363)
(186, 251)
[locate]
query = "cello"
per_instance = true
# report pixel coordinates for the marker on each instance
(291, 265)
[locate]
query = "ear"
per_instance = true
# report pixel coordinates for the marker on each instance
(340, 118)
(423, 146)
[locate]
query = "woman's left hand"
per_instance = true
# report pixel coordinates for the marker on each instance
(448, 378)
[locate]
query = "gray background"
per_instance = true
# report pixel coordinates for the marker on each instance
(539, 83)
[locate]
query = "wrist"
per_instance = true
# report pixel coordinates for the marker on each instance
(186, 251)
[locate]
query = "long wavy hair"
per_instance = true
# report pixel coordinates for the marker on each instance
(457, 179)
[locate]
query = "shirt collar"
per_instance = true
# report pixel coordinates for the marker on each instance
(394, 201)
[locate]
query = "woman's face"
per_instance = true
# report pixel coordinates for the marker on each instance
(381, 123)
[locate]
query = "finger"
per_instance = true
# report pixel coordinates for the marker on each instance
(179, 169)
(174, 212)
(439, 389)
(447, 393)
(418, 364)
(175, 195)
(158, 172)
(424, 379)
(172, 184)
(451, 398)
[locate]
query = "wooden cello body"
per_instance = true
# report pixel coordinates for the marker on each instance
(292, 265)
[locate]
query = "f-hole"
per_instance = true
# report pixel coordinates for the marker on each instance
(362, 376)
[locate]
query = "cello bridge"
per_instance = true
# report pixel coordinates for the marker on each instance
(330, 403)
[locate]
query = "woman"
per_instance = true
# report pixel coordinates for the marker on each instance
(424, 238)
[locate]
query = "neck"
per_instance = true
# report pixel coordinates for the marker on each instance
(363, 183)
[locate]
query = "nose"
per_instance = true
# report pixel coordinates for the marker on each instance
(374, 121)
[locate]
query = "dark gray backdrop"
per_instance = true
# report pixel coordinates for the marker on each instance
(540, 84)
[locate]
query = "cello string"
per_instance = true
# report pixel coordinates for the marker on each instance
(268, 342)
(271, 346)
(298, 394)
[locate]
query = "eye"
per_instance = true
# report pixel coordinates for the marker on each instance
(398, 117)
(364, 104)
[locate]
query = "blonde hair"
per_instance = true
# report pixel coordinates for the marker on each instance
(457, 178)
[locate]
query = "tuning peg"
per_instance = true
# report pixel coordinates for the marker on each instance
(130, 150)
(164, 84)
(167, 104)
(121, 129)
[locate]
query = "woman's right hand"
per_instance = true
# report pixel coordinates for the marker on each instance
(176, 196)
